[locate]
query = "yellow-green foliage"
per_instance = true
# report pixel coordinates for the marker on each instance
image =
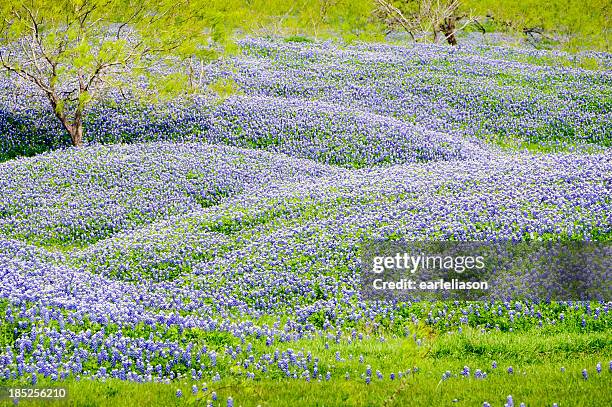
(585, 24)
(350, 19)
(224, 88)
(578, 24)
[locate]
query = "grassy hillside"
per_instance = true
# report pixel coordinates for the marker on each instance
(207, 245)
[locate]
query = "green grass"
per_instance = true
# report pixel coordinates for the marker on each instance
(298, 38)
(517, 143)
(536, 357)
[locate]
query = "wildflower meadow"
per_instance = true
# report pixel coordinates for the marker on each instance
(205, 249)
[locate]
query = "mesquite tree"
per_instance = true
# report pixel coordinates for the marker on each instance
(436, 16)
(71, 49)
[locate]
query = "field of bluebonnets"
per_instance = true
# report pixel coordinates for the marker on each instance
(208, 249)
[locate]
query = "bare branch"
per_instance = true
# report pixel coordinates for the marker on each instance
(26, 75)
(129, 20)
(397, 16)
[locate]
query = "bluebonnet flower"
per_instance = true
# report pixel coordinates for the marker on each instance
(148, 230)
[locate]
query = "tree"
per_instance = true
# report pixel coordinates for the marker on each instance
(574, 24)
(436, 16)
(71, 49)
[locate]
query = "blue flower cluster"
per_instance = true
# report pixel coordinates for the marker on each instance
(356, 106)
(224, 253)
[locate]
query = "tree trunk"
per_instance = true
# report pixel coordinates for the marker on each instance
(76, 132)
(74, 129)
(448, 27)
